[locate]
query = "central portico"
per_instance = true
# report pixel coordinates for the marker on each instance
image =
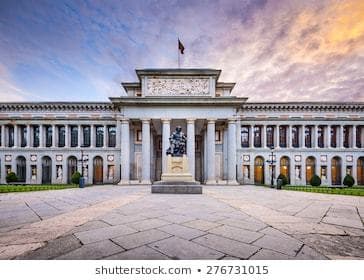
(191, 98)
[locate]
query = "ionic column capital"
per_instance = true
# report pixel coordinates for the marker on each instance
(166, 121)
(124, 120)
(146, 121)
(190, 121)
(211, 121)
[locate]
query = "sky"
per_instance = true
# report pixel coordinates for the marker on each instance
(275, 50)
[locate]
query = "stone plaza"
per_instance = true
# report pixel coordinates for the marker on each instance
(128, 222)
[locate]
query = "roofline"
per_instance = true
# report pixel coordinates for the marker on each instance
(178, 72)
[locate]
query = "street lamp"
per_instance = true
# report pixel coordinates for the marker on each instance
(271, 161)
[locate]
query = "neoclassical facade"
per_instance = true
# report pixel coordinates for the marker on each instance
(229, 140)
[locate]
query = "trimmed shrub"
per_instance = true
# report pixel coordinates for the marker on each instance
(283, 178)
(315, 181)
(11, 177)
(75, 179)
(349, 181)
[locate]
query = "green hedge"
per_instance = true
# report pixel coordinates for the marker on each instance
(30, 188)
(358, 191)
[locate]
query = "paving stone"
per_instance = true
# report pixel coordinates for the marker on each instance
(180, 249)
(140, 238)
(354, 223)
(178, 219)
(253, 225)
(285, 246)
(103, 233)
(201, 224)
(275, 232)
(140, 253)
(265, 254)
(308, 253)
(89, 226)
(148, 224)
(118, 219)
(316, 210)
(182, 231)
(226, 258)
(238, 234)
(227, 246)
(53, 249)
(93, 251)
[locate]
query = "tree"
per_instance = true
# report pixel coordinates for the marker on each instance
(75, 179)
(348, 180)
(283, 178)
(11, 177)
(315, 181)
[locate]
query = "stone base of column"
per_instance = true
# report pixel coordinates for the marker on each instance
(146, 182)
(211, 182)
(232, 182)
(124, 182)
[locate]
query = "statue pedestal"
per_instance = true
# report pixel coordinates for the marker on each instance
(177, 170)
(177, 178)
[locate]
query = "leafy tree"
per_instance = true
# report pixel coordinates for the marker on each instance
(75, 179)
(283, 178)
(11, 177)
(349, 181)
(315, 181)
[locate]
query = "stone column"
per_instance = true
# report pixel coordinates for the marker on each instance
(125, 152)
(118, 133)
(166, 132)
(277, 136)
(264, 136)
(231, 152)
(354, 137)
(251, 136)
(105, 137)
(327, 138)
(211, 177)
(2, 137)
(146, 151)
(15, 135)
(92, 135)
(79, 134)
(191, 146)
(41, 136)
(302, 134)
(238, 132)
(28, 137)
(66, 136)
(341, 137)
(289, 136)
(315, 137)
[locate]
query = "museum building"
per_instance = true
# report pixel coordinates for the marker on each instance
(229, 140)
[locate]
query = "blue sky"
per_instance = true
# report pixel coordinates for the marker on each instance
(275, 50)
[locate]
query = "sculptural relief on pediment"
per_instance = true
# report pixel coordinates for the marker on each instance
(177, 87)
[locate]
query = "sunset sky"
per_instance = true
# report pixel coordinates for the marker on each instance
(274, 50)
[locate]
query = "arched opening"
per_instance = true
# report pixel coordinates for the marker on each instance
(285, 168)
(21, 168)
(98, 170)
(71, 168)
(310, 169)
(259, 170)
(360, 171)
(46, 170)
(336, 171)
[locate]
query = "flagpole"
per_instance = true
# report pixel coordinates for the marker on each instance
(178, 51)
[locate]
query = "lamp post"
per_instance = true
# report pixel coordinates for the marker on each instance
(271, 161)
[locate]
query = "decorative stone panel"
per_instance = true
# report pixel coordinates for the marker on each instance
(177, 87)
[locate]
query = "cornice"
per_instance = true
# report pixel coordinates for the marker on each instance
(305, 106)
(57, 106)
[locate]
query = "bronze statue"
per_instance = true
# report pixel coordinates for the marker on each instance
(177, 143)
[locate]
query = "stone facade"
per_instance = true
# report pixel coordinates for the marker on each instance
(229, 140)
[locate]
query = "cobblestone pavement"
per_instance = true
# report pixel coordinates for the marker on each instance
(242, 222)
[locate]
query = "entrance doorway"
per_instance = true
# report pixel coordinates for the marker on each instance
(98, 170)
(336, 171)
(259, 170)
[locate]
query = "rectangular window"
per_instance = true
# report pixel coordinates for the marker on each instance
(86, 136)
(138, 136)
(48, 135)
(257, 136)
(36, 136)
(321, 137)
(61, 136)
(283, 136)
(10, 136)
(244, 136)
(112, 136)
(270, 136)
(218, 136)
(23, 136)
(74, 136)
(333, 134)
(346, 136)
(308, 137)
(99, 136)
(357, 142)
